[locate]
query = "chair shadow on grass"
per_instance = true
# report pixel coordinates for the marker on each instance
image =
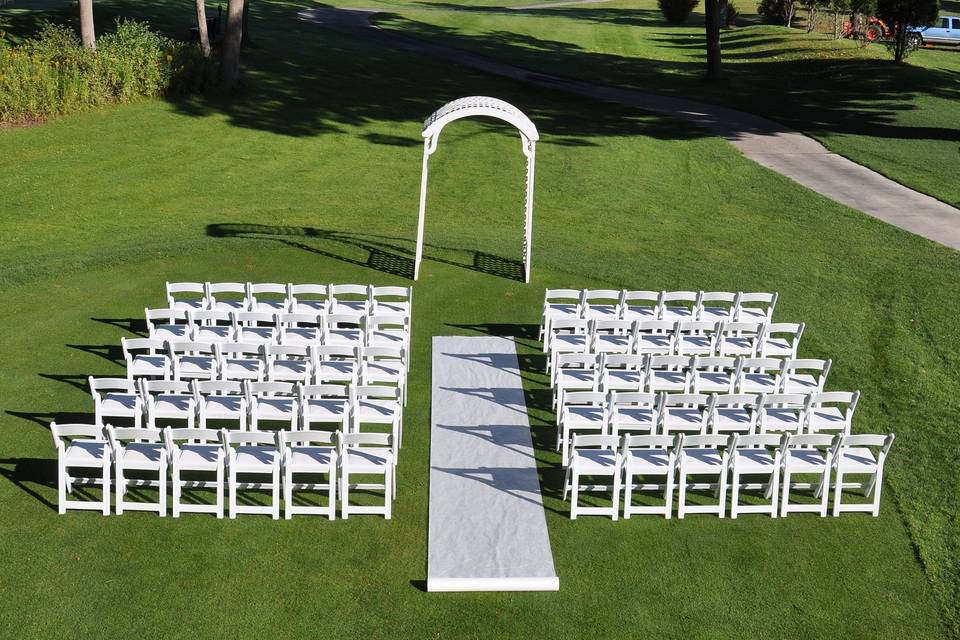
(24, 472)
(383, 253)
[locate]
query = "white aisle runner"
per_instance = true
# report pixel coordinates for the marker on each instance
(488, 531)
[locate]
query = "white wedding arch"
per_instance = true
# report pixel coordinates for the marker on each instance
(493, 108)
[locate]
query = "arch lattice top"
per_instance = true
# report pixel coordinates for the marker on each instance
(479, 106)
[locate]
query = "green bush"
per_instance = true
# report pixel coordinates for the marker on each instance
(773, 11)
(730, 15)
(677, 11)
(53, 74)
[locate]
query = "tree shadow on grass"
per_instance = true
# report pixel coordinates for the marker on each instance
(378, 252)
(27, 473)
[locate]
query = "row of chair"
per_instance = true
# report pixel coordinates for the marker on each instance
(611, 304)
(616, 412)
(186, 325)
(273, 297)
(683, 374)
(293, 463)
(250, 405)
(668, 337)
(764, 463)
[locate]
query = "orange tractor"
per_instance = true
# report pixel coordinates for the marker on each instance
(874, 29)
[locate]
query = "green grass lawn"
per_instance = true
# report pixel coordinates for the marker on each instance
(322, 154)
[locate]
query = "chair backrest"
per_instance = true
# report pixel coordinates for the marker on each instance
(668, 363)
(209, 318)
(715, 363)
(401, 294)
(119, 435)
(762, 365)
(632, 361)
(634, 399)
(217, 387)
(270, 388)
(320, 391)
(299, 319)
(76, 431)
(873, 441)
(557, 296)
(306, 438)
(659, 327)
(819, 369)
(253, 319)
(239, 288)
(570, 325)
(374, 391)
(716, 300)
(259, 288)
(745, 400)
(230, 438)
(594, 441)
(199, 288)
(614, 326)
(792, 331)
(334, 352)
(129, 345)
(190, 348)
(169, 316)
(631, 441)
(703, 440)
(238, 349)
(643, 299)
(592, 398)
(360, 440)
(387, 320)
(790, 400)
(286, 352)
(602, 297)
(382, 353)
(99, 385)
(757, 302)
(172, 436)
(577, 361)
(753, 441)
(166, 387)
(698, 327)
(701, 400)
(848, 398)
(810, 440)
(342, 321)
(690, 299)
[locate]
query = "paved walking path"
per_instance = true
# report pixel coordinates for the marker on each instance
(487, 530)
(769, 143)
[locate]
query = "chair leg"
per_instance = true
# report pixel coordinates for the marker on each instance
(162, 487)
(287, 493)
(219, 488)
(344, 494)
(275, 492)
(785, 502)
(106, 489)
(627, 493)
(332, 492)
(575, 495)
(668, 496)
(837, 495)
(232, 488)
(61, 488)
(177, 489)
(616, 496)
(772, 491)
(722, 493)
(734, 494)
(682, 498)
(566, 484)
(120, 488)
(875, 487)
(387, 494)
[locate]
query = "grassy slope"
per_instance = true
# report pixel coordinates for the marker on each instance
(100, 209)
(899, 120)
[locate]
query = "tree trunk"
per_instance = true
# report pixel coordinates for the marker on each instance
(230, 60)
(202, 28)
(245, 40)
(900, 45)
(87, 33)
(836, 25)
(712, 8)
(790, 10)
(811, 18)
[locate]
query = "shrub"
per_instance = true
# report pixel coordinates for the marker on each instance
(677, 11)
(53, 74)
(773, 11)
(730, 15)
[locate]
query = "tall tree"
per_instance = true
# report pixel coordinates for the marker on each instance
(903, 13)
(713, 18)
(202, 28)
(246, 40)
(87, 33)
(230, 51)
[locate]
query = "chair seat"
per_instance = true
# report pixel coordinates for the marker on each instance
(737, 345)
(754, 460)
(732, 419)
(712, 381)
(683, 419)
(366, 460)
(561, 310)
(758, 383)
(271, 407)
(374, 410)
(388, 338)
(383, 371)
(171, 406)
(629, 379)
(351, 307)
(308, 306)
(393, 307)
(143, 455)
(270, 306)
(668, 380)
(336, 370)
(301, 335)
(800, 383)
(626, 417)
(325, 410)
(857, 460)
(827, 419)
(614, 343)
(569, 342)
(805, 461)
(188, 365)
(256, 335)
(252, 458)
(782, 419)
(230, 305)
(310, 458)
(578, 416)
(576, 378)
(198, 457)
(87, 453)
(701, 460)
(591, 461)
(641, 461)
(639, 313)
(237, 368)
(348, 337)
(601, 312)
(696, 344)
(214, 334)
(291, 368)
(677, 313)
(172, 332)
(654, 342)
(119, 404)
(195, 305)
(147, 365)
(222, 406)
(715, 313)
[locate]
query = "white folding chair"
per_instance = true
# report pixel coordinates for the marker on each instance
(860, 455)
(387, 330)
(343, 330)
(806, 454)
(240, 361)
(575, 372)
(755, 455)
(780, 340)
(391, 300)
(656, 337)
(288, 362)
(220, 400)
(300, 328)
(349, 299)
(696, 337)
(168, 400)
(256, 454)
(783, 413)
(759, 375)
(716, 306)
(253, 326)
(739, 339)
(804, 375)
(685, 413)
(195, 452)
(81, 446)
(567, 335)
(702, 455)
(324, 404)
(167, 324)
(308, 298)
(613, 336)
(145, 358)
(629, 412)
(193, 360)
(668, 373)
(679, 305)
(267, 297)
(755, 307)
(139, 450)
(377, 405)
(335, 364)
(210, 326)
(309, 453)
(831, 412)
(559, 303)
(580, 411)
(644, 456)
(384, 365)
(195, 299)
(735, 413)
(367, 454)
(116, 398)
(593, 456)
(272, 402)
(714, 374)
(640, 305)
(602, 304)
(622, 372)
(227, 296)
